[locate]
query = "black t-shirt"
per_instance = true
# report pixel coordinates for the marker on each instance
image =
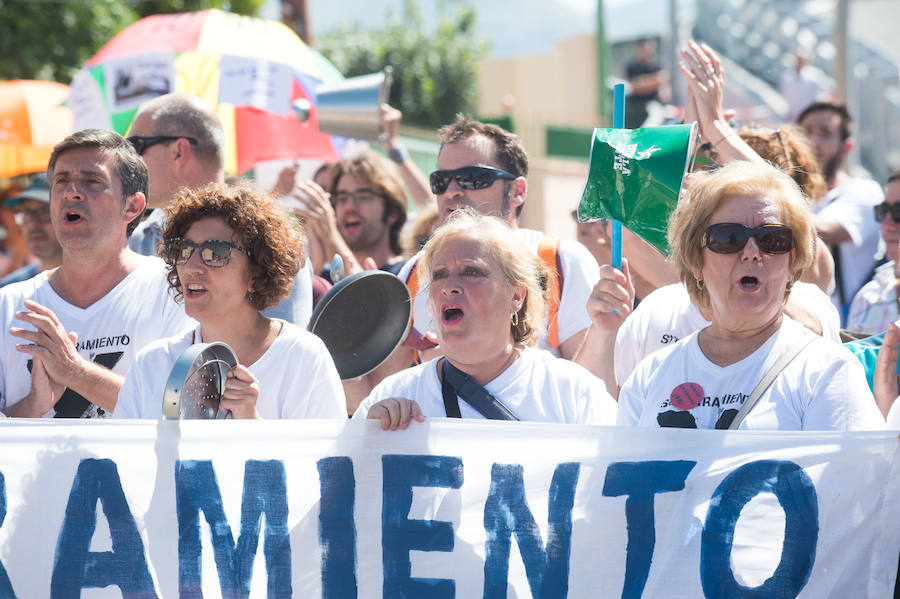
(636, 69)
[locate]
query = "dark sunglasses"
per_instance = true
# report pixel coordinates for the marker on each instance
(140, 143)
(213, 252)
(467, 177)
(728, 238)
(883, 209)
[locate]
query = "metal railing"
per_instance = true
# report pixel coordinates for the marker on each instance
(762, 36)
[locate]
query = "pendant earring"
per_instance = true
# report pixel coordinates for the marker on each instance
(700, 284)
(515, 319)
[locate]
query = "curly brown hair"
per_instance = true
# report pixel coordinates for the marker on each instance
(259, 226)
(789, 149)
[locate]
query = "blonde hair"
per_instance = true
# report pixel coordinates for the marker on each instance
(708, 191)
(518, 265)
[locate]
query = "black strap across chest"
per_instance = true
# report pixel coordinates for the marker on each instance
(456, 383)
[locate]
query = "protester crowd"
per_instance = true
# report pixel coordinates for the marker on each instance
(776, 310)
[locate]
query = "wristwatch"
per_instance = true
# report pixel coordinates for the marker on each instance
(398, 154)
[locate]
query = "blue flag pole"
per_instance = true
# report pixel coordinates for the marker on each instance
(618, 123)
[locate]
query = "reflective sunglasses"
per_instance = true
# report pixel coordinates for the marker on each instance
(883, 209)
(140, 143)
(41, 215)
(467, 177)
(360, 196)
(729, 238)
(213, 252)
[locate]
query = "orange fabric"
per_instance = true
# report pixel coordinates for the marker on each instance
(32, 121)
(548, 252)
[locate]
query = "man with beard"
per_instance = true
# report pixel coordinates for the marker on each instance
(844, 218)
(32, 212)
(370, 208)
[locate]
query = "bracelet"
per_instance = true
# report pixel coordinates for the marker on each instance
(398, 154)
(723, 139)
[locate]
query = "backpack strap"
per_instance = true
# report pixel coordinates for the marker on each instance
(548, 252)
(792, 352)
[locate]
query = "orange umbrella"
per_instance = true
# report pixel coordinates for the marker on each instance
(32, 121)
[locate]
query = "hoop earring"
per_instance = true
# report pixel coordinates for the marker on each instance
(515, 319)
(700, 284)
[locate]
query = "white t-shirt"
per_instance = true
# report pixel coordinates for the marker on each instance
(111, 331)
(297, 378)
(667, 315)
(875, 305)
(823, 388)
(580, 272)
(537, 387)
(852, 205)
(893, 417)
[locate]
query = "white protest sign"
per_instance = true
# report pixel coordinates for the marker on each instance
(340, 510)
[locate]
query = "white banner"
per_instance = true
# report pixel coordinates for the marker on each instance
(465, 509)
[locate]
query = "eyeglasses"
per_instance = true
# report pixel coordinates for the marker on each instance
(213, 252)
(41, 215)
(467, 177)
(142, 142)
(729, 238)
(360, 196)
(883, 209)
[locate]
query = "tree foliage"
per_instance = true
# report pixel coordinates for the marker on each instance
(146, 8)
(435, 72)
(52, 40)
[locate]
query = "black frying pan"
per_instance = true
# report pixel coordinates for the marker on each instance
(362, 319)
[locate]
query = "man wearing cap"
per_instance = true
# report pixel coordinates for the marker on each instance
(32, 212)
(181, 139)
(70, 333)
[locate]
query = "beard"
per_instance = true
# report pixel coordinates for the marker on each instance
(831, 166)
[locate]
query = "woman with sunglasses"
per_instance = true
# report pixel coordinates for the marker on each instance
(230, 253)
(485, 297)
(740, 240)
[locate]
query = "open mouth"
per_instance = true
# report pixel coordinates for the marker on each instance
(749, 283)
(451, 314)
(72, 217)
(451, 208)
(351, 224)
(194, 290)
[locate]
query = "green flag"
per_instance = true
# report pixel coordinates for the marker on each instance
(635, 177)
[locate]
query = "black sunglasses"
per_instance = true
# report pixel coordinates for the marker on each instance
(728, 238)
(213, 252)
(467, 177)
(140, 143)
(883, 209)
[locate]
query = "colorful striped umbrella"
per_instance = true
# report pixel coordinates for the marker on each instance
(250, 69)
(32, 121)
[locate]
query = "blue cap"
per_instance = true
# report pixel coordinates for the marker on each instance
(36, 190)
